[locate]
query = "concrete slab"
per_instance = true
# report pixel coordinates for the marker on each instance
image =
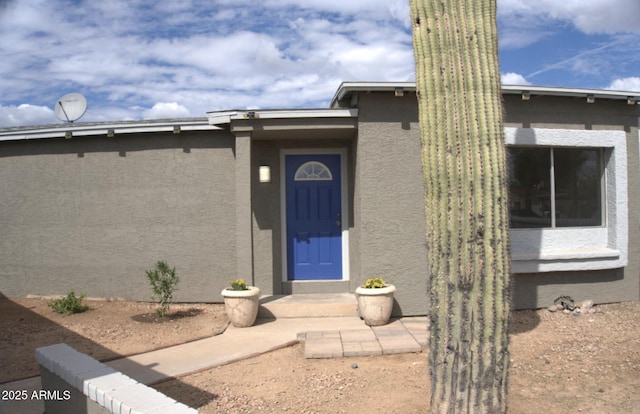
(322, 335)
(234, 345)
(323, 348)
(418, 327)
(392, 338)
(420, 320)
(361, 348)
(393, 328)
(357, 335)
(336, 336)
(310, 305)
(398, 344)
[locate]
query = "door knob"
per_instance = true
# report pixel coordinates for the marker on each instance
(338, 222)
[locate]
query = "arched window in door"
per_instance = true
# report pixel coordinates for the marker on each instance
(313, 171)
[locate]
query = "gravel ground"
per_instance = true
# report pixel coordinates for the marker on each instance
(108, 330)
(559, 362)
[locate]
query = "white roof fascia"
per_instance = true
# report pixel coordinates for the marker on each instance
(86, 129)
(219, 118)
(347, 87)
(570, 92)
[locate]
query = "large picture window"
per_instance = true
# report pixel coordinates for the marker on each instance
(568, 205)
(555, 187)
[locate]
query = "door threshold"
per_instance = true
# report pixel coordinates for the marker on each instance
(310, 305)
(315, 286)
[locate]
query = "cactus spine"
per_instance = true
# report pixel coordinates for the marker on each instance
(460, 111)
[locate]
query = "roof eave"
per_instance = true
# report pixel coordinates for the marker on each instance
(347, 88)
(108, 129)
(570, 92)
(225, 117)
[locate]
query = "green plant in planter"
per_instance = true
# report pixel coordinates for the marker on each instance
(163, 281)
(69, 304)
(239, 284)
(374, 283)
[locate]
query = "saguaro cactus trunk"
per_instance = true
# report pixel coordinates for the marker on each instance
(459, 97)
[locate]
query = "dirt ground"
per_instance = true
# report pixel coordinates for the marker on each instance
(559, 362)
(108, 330)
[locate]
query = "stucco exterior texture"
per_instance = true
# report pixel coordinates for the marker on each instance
(532, 290)
(94, 213)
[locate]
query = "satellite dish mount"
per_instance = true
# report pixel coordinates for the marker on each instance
(71, 107)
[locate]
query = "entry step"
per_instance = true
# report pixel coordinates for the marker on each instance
(311, 305)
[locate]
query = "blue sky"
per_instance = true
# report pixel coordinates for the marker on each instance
(144, 59)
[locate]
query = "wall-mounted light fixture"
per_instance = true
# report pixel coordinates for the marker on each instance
(251, 115)
(176, 129)
(264, 173)
(591, 98)
(399, 92)
(68, 135)
(110, 133)
(526, 95)
(632, 100)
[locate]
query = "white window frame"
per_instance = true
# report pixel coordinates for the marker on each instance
(577, 248)
(552, 188)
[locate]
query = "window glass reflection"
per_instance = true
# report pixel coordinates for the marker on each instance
(529, 187)
(578, 188)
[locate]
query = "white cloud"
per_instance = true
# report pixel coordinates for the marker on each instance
(518, 38)
(598, 16)
(224, 54)
(631, 84)
(395, 10)
(514, 79)
(167, 110)
(26, 114)
(147, 59)
(588, 16)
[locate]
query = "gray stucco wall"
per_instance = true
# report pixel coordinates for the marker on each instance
(389, 199)
(265, 202)
(388, 209)
(615, 285)
(93, 214)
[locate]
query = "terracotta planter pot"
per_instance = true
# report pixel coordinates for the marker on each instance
(242, 305)
(375, 305)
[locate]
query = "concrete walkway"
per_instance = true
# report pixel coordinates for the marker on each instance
(323, 337)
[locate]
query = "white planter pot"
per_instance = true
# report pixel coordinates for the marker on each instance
(375, 305)
(242, 305)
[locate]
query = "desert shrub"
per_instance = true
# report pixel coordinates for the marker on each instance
(163, 281)
(69, 304)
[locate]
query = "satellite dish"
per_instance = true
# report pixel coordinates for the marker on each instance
(70, 107)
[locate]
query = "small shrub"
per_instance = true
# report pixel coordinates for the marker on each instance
(69, 304)
(163, 281)
(374, 283)
(238, 284)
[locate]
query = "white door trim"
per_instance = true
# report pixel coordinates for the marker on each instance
(344, 204)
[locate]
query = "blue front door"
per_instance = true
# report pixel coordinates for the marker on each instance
(314, 217)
